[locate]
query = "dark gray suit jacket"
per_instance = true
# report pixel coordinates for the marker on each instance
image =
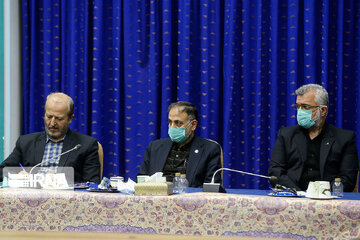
(29, 151)
(204, 160)
(338, 156)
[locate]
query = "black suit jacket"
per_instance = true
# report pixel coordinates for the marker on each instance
(338, 156)
(29, 151)
(204, 160)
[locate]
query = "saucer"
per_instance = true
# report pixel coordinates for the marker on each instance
(103, 190)
(277, 194)
(81, 186)
(324, 198)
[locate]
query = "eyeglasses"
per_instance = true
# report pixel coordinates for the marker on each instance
(178, 123)
(303, 106)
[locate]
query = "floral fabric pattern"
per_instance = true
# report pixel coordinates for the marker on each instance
(207, 214)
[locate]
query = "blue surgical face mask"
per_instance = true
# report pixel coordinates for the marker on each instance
(178, 134)
(304, 118)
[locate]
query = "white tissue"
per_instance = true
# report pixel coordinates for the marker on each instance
(126, 187)
(157, 177)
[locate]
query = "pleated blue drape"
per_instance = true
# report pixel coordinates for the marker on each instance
(239, 62)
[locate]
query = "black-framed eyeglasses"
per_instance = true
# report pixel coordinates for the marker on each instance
(303, 106)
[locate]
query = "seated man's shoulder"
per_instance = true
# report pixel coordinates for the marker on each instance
(32, 136)
(289, 129)
(160, 141)
(207, 141)
(159, 144)
(340, 131)
(83, 137)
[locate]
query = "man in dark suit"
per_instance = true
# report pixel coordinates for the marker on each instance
(44, 147)
(185, 153)
(314, 150)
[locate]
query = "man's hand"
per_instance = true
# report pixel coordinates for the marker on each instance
(23, 172)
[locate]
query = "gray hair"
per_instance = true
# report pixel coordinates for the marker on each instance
(189, 108)
(69, 100)
(321, 95)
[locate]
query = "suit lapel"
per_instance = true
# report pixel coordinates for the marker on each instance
(326, 144)
(301, 147)
(196, 152)
(165, 150)
(40, 148)
(67, 145)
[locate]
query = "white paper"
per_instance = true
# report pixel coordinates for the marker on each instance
(156, 177)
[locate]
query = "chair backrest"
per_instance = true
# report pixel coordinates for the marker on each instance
(356, 189)
(101, 159)
(221, 157)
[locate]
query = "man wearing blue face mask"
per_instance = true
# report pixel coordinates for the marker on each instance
(314, 150)
(183, 152)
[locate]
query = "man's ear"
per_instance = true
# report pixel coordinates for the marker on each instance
(324, 111)
(194, 125)
(71, 118)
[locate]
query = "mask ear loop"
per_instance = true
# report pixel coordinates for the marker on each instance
(318, 121)
(188, 124)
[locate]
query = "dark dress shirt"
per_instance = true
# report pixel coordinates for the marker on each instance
(176, 161)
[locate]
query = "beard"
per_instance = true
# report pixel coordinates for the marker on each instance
(59, 133)
(317, 118)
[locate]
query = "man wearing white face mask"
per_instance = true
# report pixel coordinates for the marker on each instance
(183, 152)
(314, 150)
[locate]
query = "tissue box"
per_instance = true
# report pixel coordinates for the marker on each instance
(154, 188)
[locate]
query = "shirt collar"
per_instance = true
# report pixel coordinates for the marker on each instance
(49, 139)
(185, 147)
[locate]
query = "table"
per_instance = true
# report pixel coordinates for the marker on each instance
(108, 236)
(249, 214)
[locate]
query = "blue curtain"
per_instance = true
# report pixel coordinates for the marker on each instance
(123, 63)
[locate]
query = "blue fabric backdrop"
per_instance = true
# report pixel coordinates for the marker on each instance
(239, 62)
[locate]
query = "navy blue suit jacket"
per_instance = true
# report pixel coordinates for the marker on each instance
(29, 151)
(338, 156)
(204, 160)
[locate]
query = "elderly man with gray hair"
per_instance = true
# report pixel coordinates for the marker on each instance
(314, 150)
(48, 147)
